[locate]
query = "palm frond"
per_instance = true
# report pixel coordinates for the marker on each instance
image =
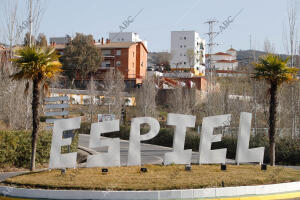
(33, 62)
(274, 69)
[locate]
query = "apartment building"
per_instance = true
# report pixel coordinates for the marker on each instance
(129, 57)
(187, 52)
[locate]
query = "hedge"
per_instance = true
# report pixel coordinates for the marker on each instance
(15, 148)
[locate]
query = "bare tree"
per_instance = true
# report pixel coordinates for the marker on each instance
(10, 21)
(146, 97)
(114, 91)
(163, 59)
(13, 103)
(35, 14)
(181, 100)
(269, 47)
(290, 44)
(42, 40)
(191, 56)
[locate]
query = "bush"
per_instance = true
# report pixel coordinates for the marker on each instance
(15, 148)
(85, 128)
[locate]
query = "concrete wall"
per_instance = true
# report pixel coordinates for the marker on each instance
(226, 66)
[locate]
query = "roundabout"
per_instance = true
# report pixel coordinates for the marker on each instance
(159, 182)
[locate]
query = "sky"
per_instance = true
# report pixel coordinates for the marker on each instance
(259, 19)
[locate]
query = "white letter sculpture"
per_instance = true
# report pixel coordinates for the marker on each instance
(112, 157)
(58, 160)
(179, 155)
(208, 156)
(243, 153)
(134, 151)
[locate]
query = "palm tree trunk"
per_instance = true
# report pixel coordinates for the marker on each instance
(272, 121)
(35, 121)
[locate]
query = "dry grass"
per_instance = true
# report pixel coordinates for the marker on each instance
(157, 177)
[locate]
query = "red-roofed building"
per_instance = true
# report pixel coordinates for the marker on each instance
(224, 61)
(128, 57)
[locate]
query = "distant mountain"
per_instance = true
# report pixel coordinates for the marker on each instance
(245, 57)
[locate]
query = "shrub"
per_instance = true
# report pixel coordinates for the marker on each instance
(15, 148)
(85, 128)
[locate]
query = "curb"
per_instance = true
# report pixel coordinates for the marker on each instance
(89, 151)
(282, 190)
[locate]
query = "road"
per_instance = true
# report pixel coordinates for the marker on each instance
(150, 154)
(5, 175)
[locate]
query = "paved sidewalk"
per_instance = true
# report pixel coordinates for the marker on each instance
(5, 175)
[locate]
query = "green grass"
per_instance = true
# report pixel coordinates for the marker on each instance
(157, 178)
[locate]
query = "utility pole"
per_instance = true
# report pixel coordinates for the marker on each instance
(211, 35)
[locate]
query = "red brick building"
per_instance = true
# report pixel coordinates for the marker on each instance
(130, 58)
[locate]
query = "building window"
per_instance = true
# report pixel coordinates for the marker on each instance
(118, 63)
(105, 64)
(106, 52)
(184, 38)
(180, 46)
(118, 52)
(142, 64)
(184, 63)
(133, 54)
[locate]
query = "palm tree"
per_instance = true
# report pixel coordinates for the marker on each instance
(38, 65)
(275, 71)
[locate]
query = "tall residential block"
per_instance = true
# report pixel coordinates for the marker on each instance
(187, 52)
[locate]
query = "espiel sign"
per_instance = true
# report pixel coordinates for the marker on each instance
(178, 156)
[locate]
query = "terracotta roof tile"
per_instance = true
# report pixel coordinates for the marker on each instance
(226, 61)
(222, 54)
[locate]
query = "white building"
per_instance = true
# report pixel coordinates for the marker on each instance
(125, 37)
(187, 52)
(224, 60)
